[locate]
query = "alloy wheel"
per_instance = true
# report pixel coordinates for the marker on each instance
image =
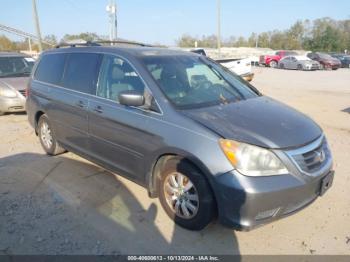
(45, 135)
(181, 195)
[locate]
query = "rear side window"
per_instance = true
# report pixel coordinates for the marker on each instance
(81, 72)
(50, 68)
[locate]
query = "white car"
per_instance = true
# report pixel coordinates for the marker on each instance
(241, 67)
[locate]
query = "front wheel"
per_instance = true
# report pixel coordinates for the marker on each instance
(273, 64)
(185, 195)
(47, 138)
(300, 67)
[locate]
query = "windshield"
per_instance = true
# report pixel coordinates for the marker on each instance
(192, 81)
(15, 66)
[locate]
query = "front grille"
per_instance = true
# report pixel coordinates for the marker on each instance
(22, 92)
(313, 159)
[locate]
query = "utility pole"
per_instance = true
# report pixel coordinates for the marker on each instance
(30, 44)
(219, 29)
(37, 26)
(112, 13)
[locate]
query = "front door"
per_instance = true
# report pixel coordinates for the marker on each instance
(117, 133)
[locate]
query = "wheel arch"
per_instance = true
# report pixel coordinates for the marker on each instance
(37, 116)
(154, 174)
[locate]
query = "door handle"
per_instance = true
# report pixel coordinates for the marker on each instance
(98, 109)
(80, 103)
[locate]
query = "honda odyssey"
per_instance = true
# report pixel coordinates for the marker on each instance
(201, 139)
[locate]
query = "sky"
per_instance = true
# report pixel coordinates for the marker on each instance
(164, 21)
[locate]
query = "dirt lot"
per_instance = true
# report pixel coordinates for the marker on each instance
(66, 205)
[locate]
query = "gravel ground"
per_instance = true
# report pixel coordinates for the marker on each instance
(67, 205)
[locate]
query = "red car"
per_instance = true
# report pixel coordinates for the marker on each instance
(327, 62)
(272, 60)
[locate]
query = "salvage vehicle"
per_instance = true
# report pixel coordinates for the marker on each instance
(241, 67)
(201, 139)
(326, 61)
(15, 69)
(272, 60)
(343, 58)
(298, 62)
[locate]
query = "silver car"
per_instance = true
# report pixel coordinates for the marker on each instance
(299, 63)
(15, 69)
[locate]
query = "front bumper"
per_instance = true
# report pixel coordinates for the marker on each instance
(248, 76)
(247, 202)
(16, 104)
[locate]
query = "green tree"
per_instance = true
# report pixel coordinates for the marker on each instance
(6, 44)
(87, 36)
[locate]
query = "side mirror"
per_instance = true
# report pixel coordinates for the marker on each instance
(131, 98)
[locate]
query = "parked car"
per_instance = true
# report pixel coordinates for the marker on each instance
(241, 67)
(298, 62)
(200, 138)
(325, 60)
(15, 69)
(343, 58)
(272, 60)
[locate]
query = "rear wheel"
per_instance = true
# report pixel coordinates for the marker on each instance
(47, 137)
(273, 64)
(185, 195)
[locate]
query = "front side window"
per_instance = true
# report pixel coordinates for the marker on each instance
(116, 76)
(15, 66)
(81, 72)
(192, 81)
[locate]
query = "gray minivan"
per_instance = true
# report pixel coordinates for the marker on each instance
(198, 137)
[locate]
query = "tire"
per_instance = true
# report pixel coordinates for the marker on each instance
(202, 211)
(47, 137)
(281, 66)
(300, 67)
(273, 64)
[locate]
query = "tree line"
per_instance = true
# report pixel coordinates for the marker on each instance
(7, 44)
(323, 34)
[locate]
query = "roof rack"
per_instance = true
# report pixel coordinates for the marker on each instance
(75, 43)
(121, 42)
(80, 42)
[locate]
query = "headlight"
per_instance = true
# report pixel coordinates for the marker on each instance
(252, 160)
(7, 92)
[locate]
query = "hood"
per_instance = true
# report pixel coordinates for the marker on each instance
(18, 83)
(260, 121)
